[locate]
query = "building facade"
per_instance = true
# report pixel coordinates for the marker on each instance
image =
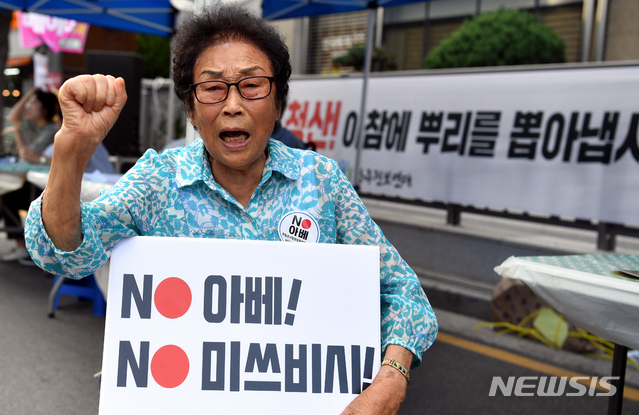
(592, 30)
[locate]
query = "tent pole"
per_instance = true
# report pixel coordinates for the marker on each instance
(362, 111)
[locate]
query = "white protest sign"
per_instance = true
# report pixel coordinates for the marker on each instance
(201, 326)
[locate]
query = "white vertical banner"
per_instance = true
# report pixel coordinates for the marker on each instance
(555, 141)
(40, 70)
(196, 326)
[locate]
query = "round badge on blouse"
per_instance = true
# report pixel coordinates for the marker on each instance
(298, 227)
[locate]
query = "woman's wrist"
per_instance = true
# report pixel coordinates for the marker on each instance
(399, 354)
(397, 359)
(399, 367)
(393, 384)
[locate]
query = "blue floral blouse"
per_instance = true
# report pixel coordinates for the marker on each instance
(175, 194)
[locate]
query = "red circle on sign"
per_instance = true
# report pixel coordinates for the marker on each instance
(306, 224)
(170, 366)
(173, 297)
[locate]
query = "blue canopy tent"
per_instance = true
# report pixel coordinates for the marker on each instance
(288, 9)
(153, 17)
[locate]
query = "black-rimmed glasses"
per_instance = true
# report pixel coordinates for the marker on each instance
(213, 92)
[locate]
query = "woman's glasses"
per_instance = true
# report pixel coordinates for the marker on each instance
(212, 92)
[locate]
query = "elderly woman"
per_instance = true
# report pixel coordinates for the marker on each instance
(231, 71)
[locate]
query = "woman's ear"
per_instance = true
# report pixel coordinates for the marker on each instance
(191, 120)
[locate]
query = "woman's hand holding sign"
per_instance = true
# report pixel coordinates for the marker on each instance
(388, 390)
(90, 105)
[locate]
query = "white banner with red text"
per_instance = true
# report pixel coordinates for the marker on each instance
(549, 141)
(199, 326)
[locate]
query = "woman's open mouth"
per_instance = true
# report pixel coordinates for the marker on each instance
(233, 136)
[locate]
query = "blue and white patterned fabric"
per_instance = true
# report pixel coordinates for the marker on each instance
(175, 194)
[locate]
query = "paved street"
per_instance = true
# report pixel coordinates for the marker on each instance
(454, 380)
(48, 364)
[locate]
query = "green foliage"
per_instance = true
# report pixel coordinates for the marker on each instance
(157, 55)
(498, 38)
(380, 60)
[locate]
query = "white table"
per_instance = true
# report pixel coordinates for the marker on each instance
(10, 182)
(92, 183)
(12, 177)
(14, 172)
(584, 289)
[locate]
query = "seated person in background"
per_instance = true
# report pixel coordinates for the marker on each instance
(40, 108)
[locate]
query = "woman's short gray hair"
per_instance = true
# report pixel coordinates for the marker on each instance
(221, 23)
